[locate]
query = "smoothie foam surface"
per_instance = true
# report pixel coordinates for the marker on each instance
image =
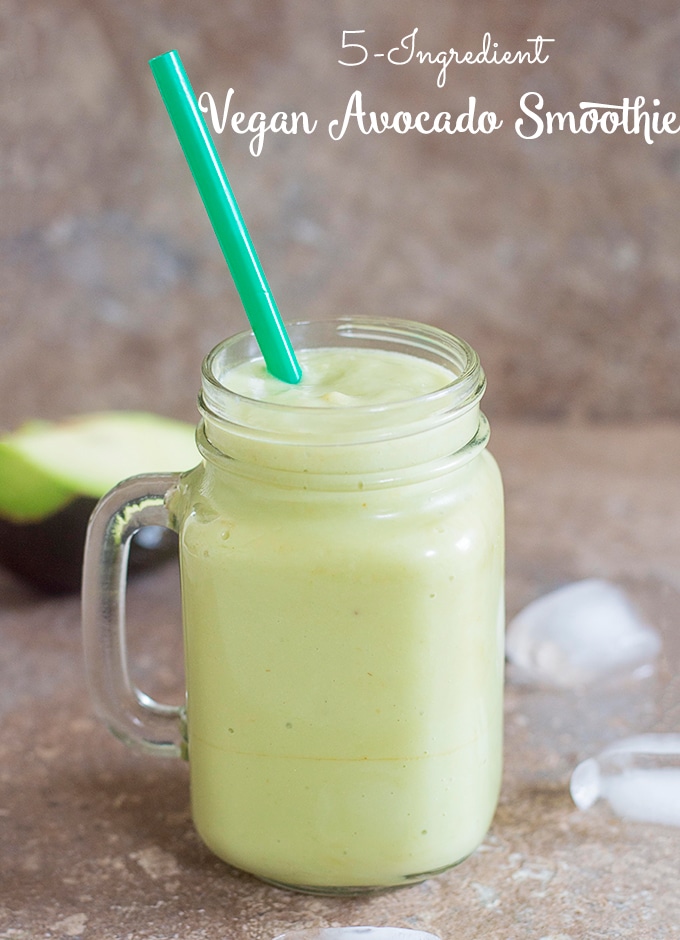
(342, 377)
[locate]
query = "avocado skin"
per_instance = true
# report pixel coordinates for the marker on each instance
(48, 553)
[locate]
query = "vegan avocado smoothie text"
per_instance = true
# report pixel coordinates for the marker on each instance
(631, 115)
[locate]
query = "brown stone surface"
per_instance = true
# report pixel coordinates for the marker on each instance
(96, 842)
(557, 258)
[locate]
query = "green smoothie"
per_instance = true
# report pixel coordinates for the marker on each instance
(342, 579)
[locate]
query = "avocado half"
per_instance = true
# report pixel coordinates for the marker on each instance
(53, 474)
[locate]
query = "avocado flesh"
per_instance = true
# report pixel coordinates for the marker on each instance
(43, 466)
(52, 476)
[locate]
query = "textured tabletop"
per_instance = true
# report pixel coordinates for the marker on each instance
(97, 841)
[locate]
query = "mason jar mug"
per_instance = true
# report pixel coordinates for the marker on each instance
(341, 560)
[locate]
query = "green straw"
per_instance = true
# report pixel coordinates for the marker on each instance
(225, 216)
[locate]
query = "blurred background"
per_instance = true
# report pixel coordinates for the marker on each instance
(557, 258)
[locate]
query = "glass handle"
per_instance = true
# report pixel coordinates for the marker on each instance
(131, 715)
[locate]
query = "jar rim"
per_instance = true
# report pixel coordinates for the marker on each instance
(407, 336)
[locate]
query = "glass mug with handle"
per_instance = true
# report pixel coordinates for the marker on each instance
(341, 559)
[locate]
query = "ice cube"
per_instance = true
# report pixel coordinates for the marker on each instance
(582, 632)
(639, 777)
